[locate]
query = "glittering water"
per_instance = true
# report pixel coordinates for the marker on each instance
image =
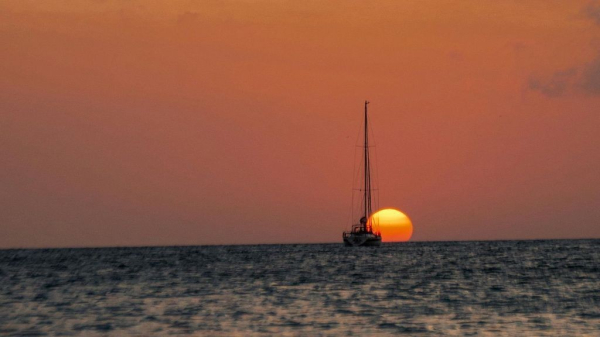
(436, 288)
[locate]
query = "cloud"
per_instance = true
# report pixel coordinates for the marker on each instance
(583, 79)
(555, 86)
(592, 11)
(590, 79)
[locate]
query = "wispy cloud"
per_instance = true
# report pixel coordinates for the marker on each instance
(592, 11)
(582, 79)
(557, 85)
(590, 79)
(578, 80)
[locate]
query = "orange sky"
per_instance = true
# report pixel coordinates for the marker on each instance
(214, 122)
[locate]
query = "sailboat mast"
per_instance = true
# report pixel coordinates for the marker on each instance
(367, 190)
(363, 234)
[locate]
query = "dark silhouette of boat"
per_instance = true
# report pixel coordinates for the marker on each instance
(362, 233)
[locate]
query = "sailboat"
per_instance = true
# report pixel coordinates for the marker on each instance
(362, 233)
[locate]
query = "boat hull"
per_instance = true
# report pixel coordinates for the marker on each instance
(362, 240)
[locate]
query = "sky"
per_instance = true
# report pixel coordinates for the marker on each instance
(128, 123)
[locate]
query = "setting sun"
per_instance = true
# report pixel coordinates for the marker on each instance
(394, 225)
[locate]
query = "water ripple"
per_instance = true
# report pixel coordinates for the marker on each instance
(430, 289)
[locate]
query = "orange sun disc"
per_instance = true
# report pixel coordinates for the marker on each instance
(394, 225)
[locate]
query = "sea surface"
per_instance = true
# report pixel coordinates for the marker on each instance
(420, 288)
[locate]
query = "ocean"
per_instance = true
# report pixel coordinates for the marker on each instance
(417, 288)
